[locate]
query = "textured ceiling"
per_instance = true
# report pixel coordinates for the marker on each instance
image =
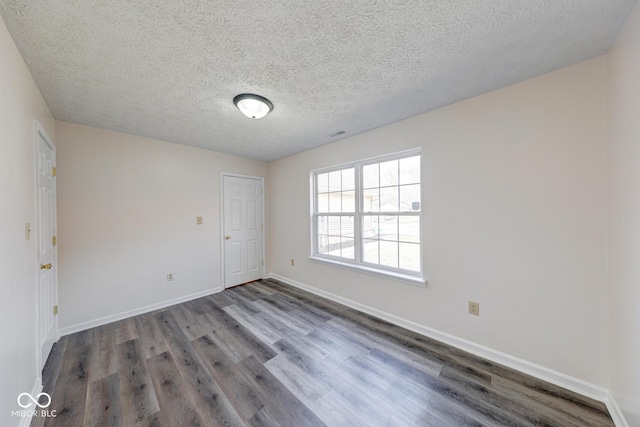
(169, 69)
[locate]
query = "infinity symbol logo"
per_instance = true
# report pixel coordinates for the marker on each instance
(31, 399)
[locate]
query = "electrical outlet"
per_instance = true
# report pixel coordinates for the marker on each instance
(474, 308)
(199, 220)
(169, 277)
(293, 262)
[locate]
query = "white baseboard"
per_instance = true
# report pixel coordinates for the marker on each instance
(35, 391)
(130, 313)
(614, 410)
(558, 378)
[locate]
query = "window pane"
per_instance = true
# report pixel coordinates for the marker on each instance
(348, 179)
(370, 251)
(323, 244)
(333, 246)
(389, 173)
(335, 181)
(370, 176)
(323, 202)
(410, 256)
(335, 202)
(348, 248)
(370, 226)
(409, 229)
(389, 254)
(348, 201)
(322, 224)
(410, 198)
(346, 226)
(323, 182)
(334, 226)
(410, 170)
(371, 200)
(388, 228)
(389, 199)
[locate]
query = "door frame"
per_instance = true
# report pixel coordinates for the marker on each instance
(262, 232)
(40, 131)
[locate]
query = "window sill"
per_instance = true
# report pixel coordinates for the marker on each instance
(407, 278)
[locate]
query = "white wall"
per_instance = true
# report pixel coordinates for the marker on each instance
(20, 105)
(624, 218)
(127, 210)
(515, 218)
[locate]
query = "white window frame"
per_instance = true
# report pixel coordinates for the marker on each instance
(413, 277)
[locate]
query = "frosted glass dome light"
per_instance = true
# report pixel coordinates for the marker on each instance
(253, 106)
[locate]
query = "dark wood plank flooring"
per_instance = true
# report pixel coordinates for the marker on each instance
(267, 354)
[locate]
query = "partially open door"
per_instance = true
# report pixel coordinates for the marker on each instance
(46, 245)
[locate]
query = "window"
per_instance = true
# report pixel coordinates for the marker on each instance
(367, 215)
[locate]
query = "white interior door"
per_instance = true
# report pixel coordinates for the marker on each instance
(243, 230)
(47, 256)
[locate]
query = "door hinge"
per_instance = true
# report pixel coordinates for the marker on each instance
(53, 171)
(262, 262)
(55, 310)
(262, 227)
(54, 240)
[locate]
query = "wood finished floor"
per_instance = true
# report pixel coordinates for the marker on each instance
(269, 354)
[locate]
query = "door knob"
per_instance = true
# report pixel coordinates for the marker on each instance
(227, 237)
(45, 266)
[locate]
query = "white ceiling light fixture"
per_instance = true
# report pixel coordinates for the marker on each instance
(253, 106)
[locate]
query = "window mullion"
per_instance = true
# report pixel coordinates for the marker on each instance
(314, 216)
(357, 235)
